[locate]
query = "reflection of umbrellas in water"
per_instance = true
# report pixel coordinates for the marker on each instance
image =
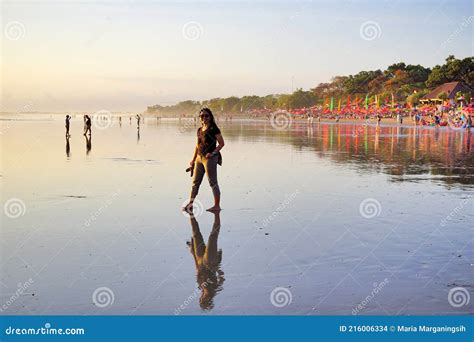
(207, 261)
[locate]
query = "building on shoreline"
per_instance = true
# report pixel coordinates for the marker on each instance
(450, 89)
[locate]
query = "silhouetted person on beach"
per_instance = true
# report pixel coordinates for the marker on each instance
(68, 119)
(207, 260)
(138, 121)
(88, 125)
(205, 159)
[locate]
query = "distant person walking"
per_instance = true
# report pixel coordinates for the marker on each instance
(68, 119)
(138, 121)
(88, 125)
(399, 118)
(206, 157)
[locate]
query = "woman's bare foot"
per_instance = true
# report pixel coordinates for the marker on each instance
(214, 208)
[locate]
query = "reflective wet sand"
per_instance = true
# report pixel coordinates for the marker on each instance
(323, 219)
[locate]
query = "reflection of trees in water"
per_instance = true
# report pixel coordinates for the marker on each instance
(394, 150)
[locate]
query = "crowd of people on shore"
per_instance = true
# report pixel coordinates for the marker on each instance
(428, 115)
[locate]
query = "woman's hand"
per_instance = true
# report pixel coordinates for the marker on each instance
(191, 163)
(209, 155)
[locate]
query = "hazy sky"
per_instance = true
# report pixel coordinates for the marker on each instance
(125, 55)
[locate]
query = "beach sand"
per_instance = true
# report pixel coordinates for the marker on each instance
(322, 220)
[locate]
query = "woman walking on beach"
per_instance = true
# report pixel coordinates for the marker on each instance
(206, 157)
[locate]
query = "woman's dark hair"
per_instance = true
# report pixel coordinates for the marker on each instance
(211, 116)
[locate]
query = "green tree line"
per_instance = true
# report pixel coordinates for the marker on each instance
(406, 82)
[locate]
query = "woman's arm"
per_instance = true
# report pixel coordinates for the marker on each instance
(219, 147)
(221, 143)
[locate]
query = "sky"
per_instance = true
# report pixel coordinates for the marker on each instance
(126, 55)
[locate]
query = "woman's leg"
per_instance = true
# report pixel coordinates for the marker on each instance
(197, 179)
(211, 171)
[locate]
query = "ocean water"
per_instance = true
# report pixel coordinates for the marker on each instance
(317, 219)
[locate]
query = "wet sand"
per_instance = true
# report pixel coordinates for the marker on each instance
(317, 220)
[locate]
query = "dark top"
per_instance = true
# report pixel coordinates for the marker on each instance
(88, 122)
(207, 140)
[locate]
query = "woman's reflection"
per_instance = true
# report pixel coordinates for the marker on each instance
(207, 259)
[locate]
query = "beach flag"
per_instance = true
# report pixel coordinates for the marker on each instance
(393, 101)
(332, 104)
(339, 105)
(348, 104)
(367, 101)
(326, 100)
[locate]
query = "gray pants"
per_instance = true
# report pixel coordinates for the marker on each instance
(208, 166)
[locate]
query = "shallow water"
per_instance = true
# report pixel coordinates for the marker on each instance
(316, 220)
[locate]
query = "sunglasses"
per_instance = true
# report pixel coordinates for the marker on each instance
(204, 116)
